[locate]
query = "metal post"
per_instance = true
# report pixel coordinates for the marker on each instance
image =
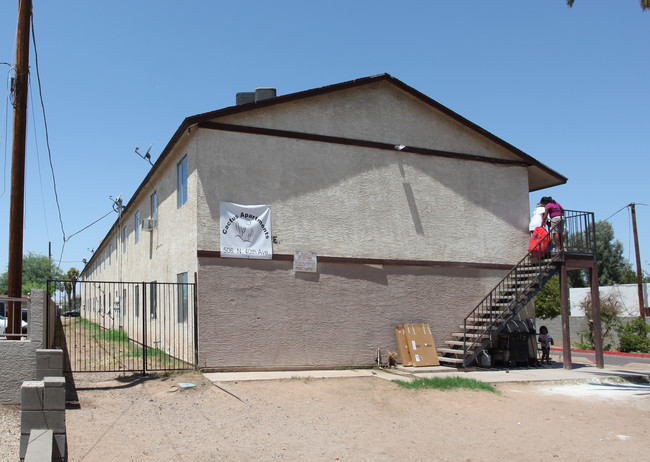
(144, 328)
(564, 302)
(196, 322)
(595, 314)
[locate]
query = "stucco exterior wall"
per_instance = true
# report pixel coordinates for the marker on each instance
(359, 202)
(169, 249)
(377, 112)
(18, 357)
(260, 314)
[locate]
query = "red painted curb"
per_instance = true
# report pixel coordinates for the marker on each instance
(611, 353)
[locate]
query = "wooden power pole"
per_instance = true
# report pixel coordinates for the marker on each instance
(16, 210)
(639, 273)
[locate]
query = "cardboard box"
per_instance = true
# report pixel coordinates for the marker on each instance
(420, 345)
(405, 356)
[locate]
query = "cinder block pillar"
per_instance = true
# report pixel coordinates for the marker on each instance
(42, 407)
(49, 363)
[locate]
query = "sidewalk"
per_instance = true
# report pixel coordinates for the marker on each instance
(582, 371)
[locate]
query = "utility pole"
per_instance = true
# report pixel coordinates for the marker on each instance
(639, 273)
(16, 210)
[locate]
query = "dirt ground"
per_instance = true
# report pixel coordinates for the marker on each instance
(349, 419)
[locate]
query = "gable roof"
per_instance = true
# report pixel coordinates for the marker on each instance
(539, 175)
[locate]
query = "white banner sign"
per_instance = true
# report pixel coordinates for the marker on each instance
(245, 231)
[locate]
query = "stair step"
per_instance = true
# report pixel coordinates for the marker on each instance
(465, 335)
(476, 326)
(445, 359)
(450, 351)
(460, 343)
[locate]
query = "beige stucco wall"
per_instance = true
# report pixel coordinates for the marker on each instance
(352, 201)
(377, 112)
(169, 249)
(340, 201)
(260, 314)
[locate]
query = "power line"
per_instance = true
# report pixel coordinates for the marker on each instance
(38, 161)
(625, 206)
(47, 136)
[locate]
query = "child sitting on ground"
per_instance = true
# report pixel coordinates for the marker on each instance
(546, 341)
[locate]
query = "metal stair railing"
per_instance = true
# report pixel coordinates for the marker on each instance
(509, 296)
(521, 284)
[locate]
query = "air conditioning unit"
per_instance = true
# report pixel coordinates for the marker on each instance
(148, 224)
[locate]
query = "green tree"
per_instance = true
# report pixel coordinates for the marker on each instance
(70, 285)
(645, 4)
(547, 300)
(37, 269)
(612, 266)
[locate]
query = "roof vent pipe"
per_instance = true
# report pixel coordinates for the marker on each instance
(264, 93)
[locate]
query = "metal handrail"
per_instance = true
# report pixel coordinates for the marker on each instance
(579, 238)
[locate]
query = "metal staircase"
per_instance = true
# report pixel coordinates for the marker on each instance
(515, 290)
(501, 305)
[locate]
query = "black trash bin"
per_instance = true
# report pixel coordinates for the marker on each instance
(511, 347)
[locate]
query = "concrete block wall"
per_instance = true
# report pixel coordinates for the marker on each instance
(42, 407)
(18, 357)
(49, 363)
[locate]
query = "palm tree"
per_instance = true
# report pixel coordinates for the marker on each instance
(71, 286)
(645, 4)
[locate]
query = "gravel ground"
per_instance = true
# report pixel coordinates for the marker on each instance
(9, 432)
(353, 419)
(129, 418)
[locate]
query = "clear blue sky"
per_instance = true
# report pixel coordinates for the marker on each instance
(567, 86)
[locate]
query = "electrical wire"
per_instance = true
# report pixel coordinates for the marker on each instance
(627, 205)
(38, 162)
(88, 226)
(47, 136)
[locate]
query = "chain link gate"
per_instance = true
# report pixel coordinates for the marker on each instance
(124, 326)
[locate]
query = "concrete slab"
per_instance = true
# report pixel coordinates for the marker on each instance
(554, 373)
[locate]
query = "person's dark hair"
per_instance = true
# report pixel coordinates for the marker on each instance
(543, 330)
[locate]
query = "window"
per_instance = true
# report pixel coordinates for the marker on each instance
(136, 224)
(182, 296)
(110, 253)
(124, 236)
(181, 182)
(154, 206)
(136, 301)
(153, 298)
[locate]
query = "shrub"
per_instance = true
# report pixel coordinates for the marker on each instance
(610, 311)
(633, 337)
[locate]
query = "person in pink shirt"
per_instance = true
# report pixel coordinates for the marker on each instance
(555, 214)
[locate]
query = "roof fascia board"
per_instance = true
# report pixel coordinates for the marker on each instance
(352, 142)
